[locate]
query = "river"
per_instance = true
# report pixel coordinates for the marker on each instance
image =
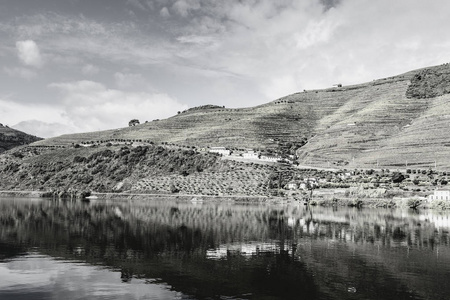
(157, 249)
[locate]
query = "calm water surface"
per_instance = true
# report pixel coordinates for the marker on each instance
(178, 250)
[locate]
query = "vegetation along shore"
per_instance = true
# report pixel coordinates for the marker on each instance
(118, 171)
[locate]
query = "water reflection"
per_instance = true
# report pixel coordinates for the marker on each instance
(36, 276)
(212, 251)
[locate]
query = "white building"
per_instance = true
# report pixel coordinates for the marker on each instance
(220, 150)
(270, 158)
(292, 186)
(308, 183)
(250, 154)
(440, 195)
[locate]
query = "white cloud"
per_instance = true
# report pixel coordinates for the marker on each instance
(196, 39)
(229, 52)
(20, 72)
(91, 106)
(29, 54)
(90, 69)
(137, 4)
(288, 46)
(77, 38)
(317, 31)
(184, 7)
(164, 12)
(131, 81)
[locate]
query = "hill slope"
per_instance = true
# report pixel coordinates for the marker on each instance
(390, 122)
(10, 138)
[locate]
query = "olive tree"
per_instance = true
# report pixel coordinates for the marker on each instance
(133, 122)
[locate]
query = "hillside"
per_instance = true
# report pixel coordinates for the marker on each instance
(150, 169)
(180, 171)
(390, 122)
(10, 138)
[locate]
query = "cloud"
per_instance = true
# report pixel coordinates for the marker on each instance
(316, 32)
(137, 4)
(314, 44)
(164, 12)
(133, 81)
(29, 53)
(78, 37)
(196, 39)
(20, 72)
(90, 69)
(91, 106)
(184, 7)
(241, 53)
(328, 4)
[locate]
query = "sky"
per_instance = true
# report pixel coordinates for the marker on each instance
(71, 66)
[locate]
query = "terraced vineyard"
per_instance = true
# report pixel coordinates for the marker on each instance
(390, 122)
(243, 182)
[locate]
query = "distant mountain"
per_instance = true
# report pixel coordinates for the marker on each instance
(42, 129)
(10, 138)
(391, 122)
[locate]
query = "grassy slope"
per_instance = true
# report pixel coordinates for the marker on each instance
(392, 120)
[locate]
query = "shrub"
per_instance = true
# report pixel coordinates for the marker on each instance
(397, 177)
(85, 178)
(355, 203)
(440, 204)
(17, 155)
(414, 202)
(369, 172)
(173, 189)
(79, 159)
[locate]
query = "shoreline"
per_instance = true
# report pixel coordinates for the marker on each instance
(335, 200)
(23, 194)
(143, 196)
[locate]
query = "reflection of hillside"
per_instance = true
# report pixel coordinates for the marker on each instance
(247, 249)
(167, 241)
(395, 249)
(388, 228)
(223, 249)
(439, 220)
(161, 226)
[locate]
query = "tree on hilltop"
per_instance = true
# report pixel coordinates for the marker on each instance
(133, 122)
